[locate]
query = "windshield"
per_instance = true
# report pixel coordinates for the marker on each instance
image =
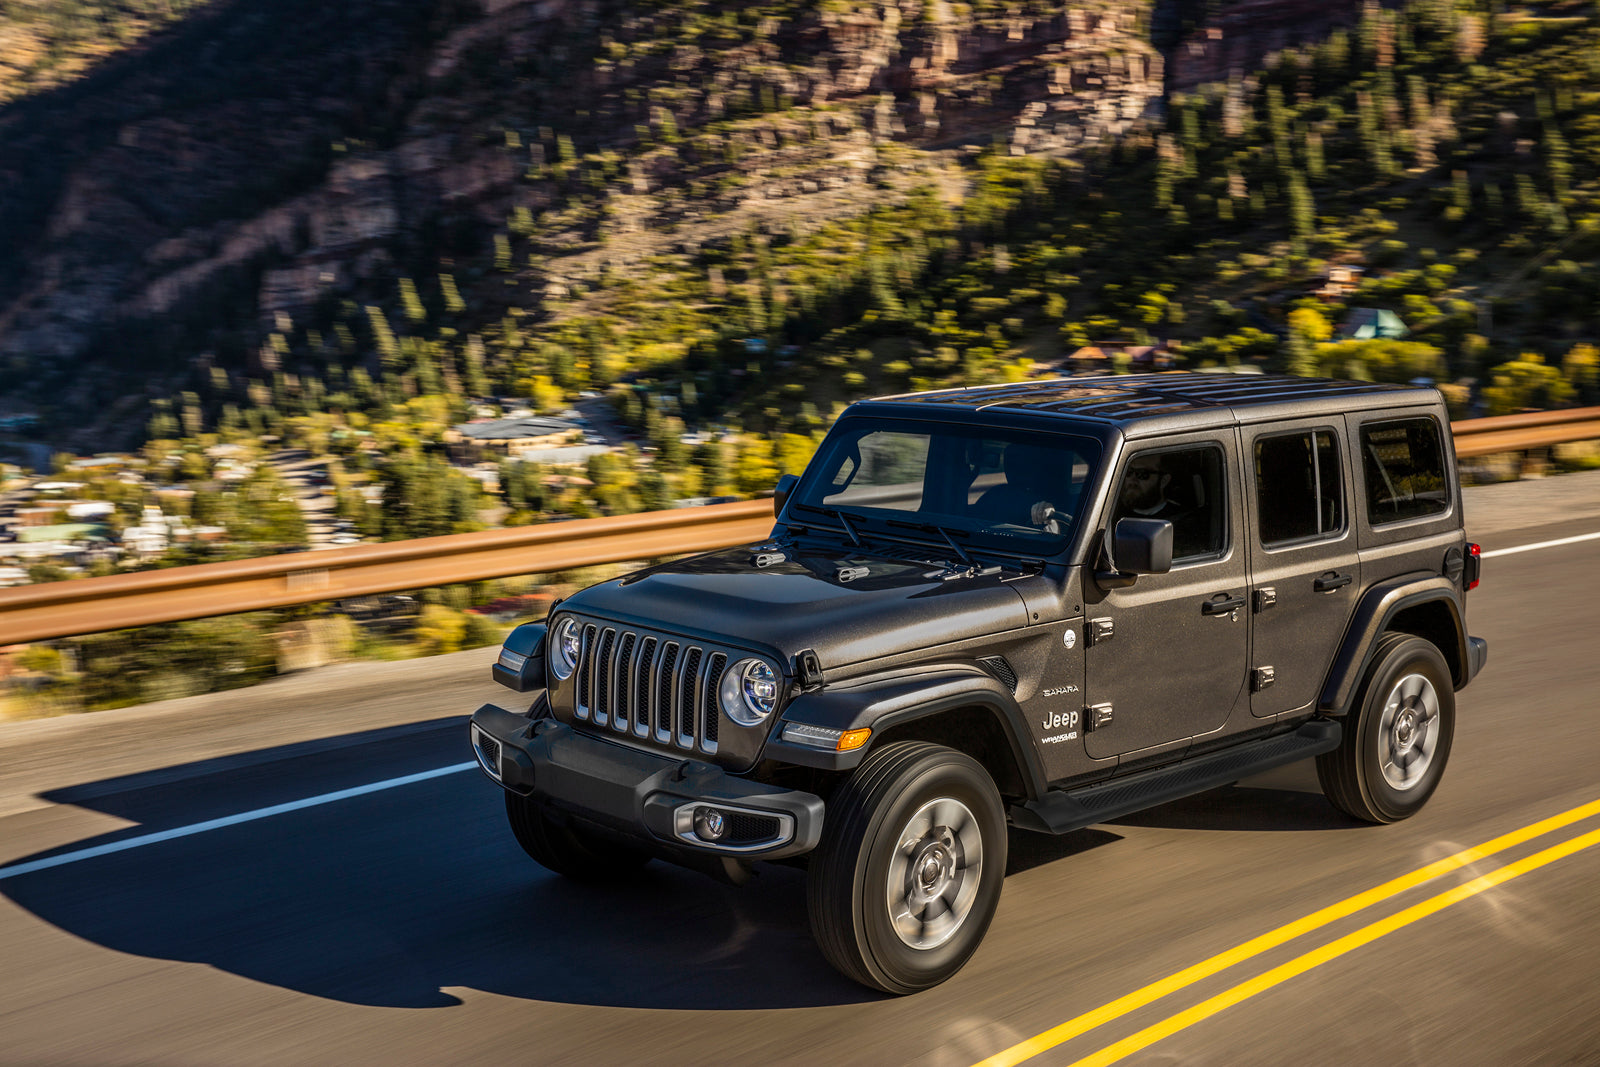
(980, 487)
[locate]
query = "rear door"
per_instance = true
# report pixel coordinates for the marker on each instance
(1306, 570)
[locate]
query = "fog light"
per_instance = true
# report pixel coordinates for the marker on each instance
(709, 824)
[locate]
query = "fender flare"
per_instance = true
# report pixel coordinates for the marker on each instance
(900, 698)
(1378, 606)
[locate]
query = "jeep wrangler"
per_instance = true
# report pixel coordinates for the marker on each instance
(1041, 606)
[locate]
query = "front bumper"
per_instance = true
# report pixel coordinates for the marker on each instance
(650, 798)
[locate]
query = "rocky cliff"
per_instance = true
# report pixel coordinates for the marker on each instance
(190, 198)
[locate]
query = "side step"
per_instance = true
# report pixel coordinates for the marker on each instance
(1060, 811)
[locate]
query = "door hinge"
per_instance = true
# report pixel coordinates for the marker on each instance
(1096, 717)
(1101, 630)
(1266, 596)
(1261, 678)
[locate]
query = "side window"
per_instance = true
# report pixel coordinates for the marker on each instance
(1403, 465)
(1298, 495)
(1185, 486)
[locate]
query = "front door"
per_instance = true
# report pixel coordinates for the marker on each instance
(1167, 656)
(1303, 554)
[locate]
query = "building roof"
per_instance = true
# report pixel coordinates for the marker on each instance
(1165, 401)
(559, 456)
(511, 429)
(1363, 324)
(66, 531)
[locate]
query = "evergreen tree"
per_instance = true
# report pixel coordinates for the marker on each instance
(654, 493)
(712, 460)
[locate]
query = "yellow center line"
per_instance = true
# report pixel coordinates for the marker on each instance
(1333, 950)
(1273, 938)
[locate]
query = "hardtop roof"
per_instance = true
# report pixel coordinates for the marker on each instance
(1167, 401)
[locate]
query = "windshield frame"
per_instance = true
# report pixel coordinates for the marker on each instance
(901, 525)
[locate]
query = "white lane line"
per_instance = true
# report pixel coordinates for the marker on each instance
(229, 820)
(1541, 544)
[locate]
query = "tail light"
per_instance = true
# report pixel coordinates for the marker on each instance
(1474, 567)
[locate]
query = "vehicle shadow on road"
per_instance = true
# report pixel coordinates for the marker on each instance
(1237, 807)
(417, 897)
(1028, 850)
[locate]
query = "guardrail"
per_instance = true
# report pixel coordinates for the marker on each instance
(92, 605)
(1516, 433)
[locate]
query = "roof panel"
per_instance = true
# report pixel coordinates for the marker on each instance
(1134, 397)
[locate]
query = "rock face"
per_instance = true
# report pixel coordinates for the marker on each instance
(1237, 40)
(134, 200)
(178, 204)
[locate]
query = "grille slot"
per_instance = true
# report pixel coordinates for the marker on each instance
(586, 671)
(489, 751)
(622, 682)
(641, 690)
(602, 677)
(664, 689)
(709, 706)
(683, 710)
(649, 686)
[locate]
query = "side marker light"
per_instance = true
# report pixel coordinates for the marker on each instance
(851, 740)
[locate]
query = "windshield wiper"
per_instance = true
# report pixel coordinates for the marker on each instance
(849, 528)
(932, 527)
(835, 513)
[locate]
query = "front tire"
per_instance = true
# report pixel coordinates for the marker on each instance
(565, 850)
(905, 881)
(1396, 744)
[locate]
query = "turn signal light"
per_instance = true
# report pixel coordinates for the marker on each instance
(851, 740)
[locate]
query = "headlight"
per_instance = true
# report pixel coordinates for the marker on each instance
(564, 651)
(749, 691)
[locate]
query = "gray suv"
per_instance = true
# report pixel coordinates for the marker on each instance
(1035, 606)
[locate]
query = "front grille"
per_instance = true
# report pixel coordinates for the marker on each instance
(649, 687)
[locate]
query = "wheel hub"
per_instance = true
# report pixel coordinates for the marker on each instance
(934, 873)
(1407, 731)
(936, 869)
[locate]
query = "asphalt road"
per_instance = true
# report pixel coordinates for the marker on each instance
(404, 925)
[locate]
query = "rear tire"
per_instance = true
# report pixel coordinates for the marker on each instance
(565, 850)
(908, 874)
(1397, 741)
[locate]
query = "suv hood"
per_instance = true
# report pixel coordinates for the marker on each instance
(847, 606)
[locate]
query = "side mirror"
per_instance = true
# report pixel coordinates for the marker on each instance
(780, 494)
(1142, 546)
(1138, 546)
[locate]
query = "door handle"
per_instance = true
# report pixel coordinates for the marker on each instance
(1328, 583)
(1221, 604)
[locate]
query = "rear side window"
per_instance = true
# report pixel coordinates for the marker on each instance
(1403, 463)
(1298, 495)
